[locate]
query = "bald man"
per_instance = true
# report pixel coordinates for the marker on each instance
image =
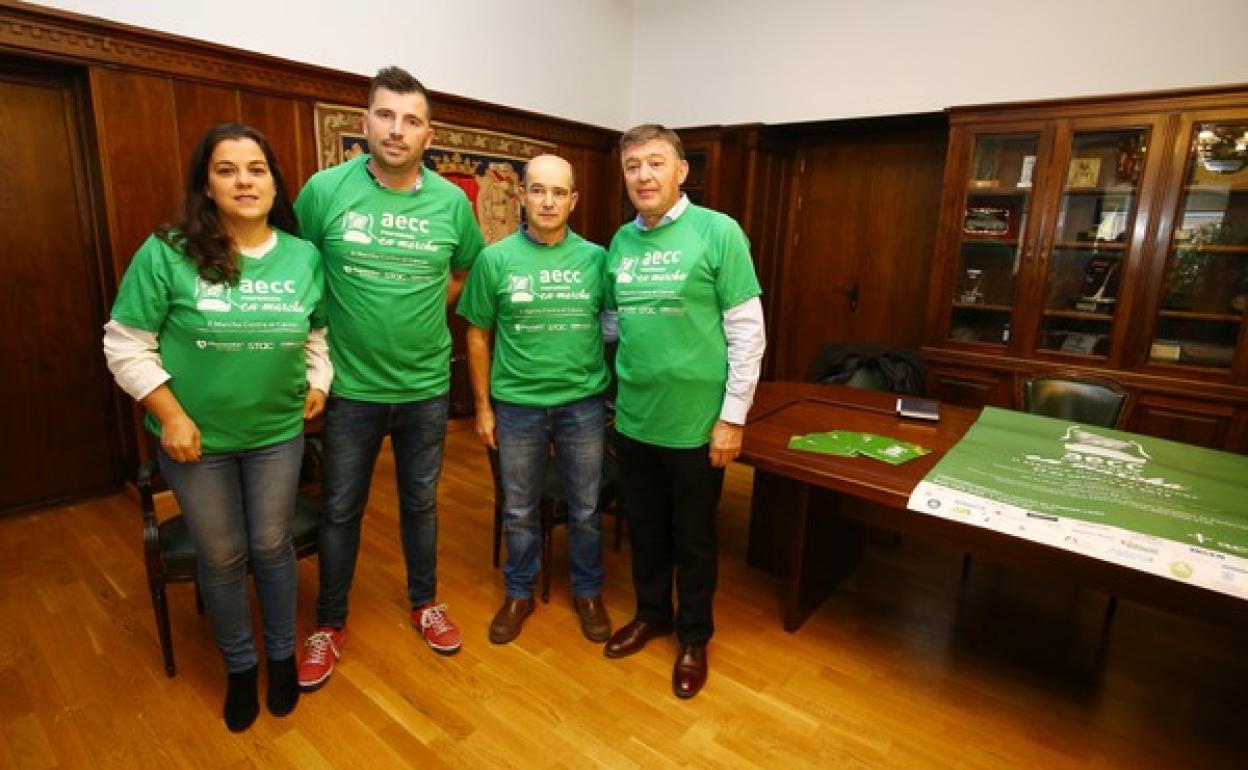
(541, 289)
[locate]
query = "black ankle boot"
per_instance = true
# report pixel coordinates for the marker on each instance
(283, 693)
(241, 703)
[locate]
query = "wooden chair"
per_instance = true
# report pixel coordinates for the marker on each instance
(868, 365)
(169, 551)
(1076, 397)
(553, 508)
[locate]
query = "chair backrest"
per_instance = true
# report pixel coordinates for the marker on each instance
(868, 365)
(170, 552)
(1075, 398)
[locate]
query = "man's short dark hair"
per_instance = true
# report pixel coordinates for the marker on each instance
(398, 80)
(648, 132)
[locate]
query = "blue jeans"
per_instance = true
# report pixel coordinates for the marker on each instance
(353, 434)
(238, 507)
(525, 435)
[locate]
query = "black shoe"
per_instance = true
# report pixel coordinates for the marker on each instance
(283, 692)
(241, 703)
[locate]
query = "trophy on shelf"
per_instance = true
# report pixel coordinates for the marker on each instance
(1100, 283)
(1026, 170)
(985, 172)
(973, 294)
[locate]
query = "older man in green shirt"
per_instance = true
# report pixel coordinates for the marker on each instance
(691, 344)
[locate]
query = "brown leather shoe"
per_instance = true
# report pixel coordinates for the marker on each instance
(509, 619)
(632, 637)
(595, 622)
(689, 673)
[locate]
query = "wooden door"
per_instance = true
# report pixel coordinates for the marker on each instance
(59, 420)
(859, 263)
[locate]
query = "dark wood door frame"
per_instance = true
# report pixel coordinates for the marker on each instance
(116, 437)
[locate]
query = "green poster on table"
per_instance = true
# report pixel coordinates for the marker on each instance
(1172, 509)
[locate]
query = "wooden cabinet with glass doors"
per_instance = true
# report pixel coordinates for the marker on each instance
(1108, 238)
(1200, 302)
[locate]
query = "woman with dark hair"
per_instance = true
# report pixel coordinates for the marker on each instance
(217, 332)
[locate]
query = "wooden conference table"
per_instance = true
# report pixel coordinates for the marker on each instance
(807, 507)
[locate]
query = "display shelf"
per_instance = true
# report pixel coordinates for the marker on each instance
(1078, 314)
(982, 307)
(1188, 315)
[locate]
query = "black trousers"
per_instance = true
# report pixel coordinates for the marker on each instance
(669, 497)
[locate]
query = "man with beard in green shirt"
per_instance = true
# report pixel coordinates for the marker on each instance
(397, 240)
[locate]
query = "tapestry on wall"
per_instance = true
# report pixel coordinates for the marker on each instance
(486, 165)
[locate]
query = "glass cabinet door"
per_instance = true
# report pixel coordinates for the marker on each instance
(1205, 284)
(994, 227)
(1095, 218)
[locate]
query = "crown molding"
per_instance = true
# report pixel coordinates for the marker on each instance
(68, 37)
(73, 38)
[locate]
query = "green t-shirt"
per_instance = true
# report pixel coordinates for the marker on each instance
(234, 353)
(388, 256)
(671, 285)
(544, 302)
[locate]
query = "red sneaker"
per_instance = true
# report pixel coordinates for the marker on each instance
(323, 649)
(439, 632)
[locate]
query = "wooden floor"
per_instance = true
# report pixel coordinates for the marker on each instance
(904, 667)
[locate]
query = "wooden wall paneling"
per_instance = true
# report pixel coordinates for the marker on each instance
(578, 157)
(197, 107)
(60, 423)
(136, 131)
(278, 119)
(305, 160)
(734, 171)
(137, 139)
(903, 199)
(765, 212)
(603, 186)
(780, 334)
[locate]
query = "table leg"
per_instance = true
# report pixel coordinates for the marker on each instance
(796, 532)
